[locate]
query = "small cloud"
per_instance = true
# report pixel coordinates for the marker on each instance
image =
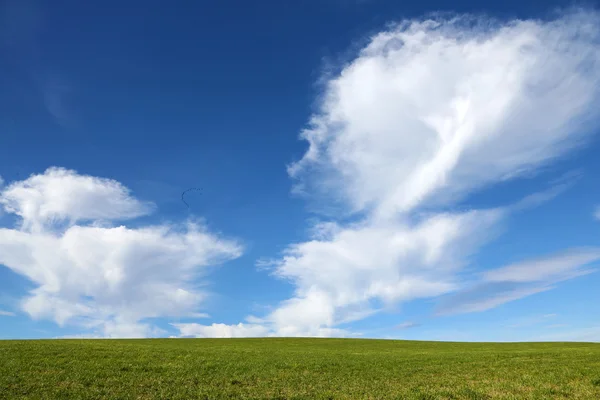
(554, 326)
(221, 330)
(251, 319)
(199, 315)
(597, 213)
(407, 325)
(266, 264)
(7, 314)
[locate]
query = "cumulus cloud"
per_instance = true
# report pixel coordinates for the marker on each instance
(427, 113)
(90, 272)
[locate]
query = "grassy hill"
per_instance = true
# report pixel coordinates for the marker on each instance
(296, 369)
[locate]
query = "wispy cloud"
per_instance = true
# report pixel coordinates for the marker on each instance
(552, 268)
(7, 313)
(55, 91)
(407, 325)
(558, 186)
(515, 281)
(486, 296)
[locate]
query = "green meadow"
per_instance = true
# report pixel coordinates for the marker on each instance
(296, 369)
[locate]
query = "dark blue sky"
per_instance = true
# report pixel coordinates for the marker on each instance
(166, 93)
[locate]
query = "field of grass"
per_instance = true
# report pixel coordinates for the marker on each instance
(296, 369)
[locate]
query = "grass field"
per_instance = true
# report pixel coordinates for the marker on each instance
(296, 369)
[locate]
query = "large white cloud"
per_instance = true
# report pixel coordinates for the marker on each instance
(432, 109)
(428, 112)
(103, 277)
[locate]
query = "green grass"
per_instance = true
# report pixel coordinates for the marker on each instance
(296, 369)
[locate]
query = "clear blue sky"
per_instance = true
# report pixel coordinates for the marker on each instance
(363, 172)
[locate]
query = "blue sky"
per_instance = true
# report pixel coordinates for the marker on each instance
(367, 169)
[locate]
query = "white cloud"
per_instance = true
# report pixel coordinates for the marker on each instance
(108, 279)
(428, 112)
(6, 313)
(61, 195)
(433, 109)
(361, 268)
(597, 213)
(347, 274)
(258, 329)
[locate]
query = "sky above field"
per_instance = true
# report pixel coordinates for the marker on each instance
(380, 169)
